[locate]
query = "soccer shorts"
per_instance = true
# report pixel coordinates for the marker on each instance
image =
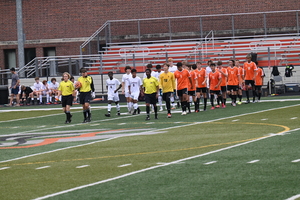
(85, 97)
(232, 87)
(203, 90)
(113, 97)
(166, 96)
(180, 93)
(127, 94)
(67, 100)
(192, 93)
(135, 95)
(223, 88)
(14, 90)
(249, 82)
(217, 92)
(150, 98)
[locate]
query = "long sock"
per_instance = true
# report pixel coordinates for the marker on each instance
(212, 100)
(128, 106)
(247, 94)
(48, 98)
(118, 107)
(109, 107)
(84, 114)
(160, 101)
(220, 98)
(135, 106)
(240, 97)
(205, 103)
(234, 98)
(196, 106)
(68, 115)
(218, 101)
(155, 110)
(88, 113)
(148, 110)
(224, 101)
(198, 103)
(254, 94)
(168, 105)
(188, 106)
(41, 98)
(259, 95)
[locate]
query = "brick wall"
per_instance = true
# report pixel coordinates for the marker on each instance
(52, 19)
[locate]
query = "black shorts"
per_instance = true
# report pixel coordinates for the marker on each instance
(203, 90)
(85, 97)
(232, 87)
(223, 88)
(166, 96)
(191, 93)
(248, 82)
(180, 93)
(258, 87)
(150, 98)
(217, 92)
(67, 100)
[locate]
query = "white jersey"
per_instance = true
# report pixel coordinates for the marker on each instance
(54, 86)
(156, 75)
(172, 68)
(152, 74)
(37, 86)
(125, 79)
(112, 85)
(135, 84)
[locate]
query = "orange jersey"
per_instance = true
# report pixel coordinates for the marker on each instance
(233, 73)
(200, 77)
(259, 77)
(249, 69)
(224, 78)
(193, 75)
(182, 79)
(241, 72)
(214, 78)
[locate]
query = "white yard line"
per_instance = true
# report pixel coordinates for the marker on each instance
(125, 165)
(294, 161)
(208, 163)
(3, 168)
(253, 161)
(44, 167)
(294, 197)
(82, 166)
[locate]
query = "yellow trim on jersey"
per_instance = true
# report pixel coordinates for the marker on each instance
(86, 83)
(66, 88)
(150, 85)
(167, 82)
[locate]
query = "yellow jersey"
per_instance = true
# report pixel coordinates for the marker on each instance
(85, 83)
(167, 82)
(66, 88)
(150, 85)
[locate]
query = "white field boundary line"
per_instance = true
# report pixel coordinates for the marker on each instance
(294, 197)
(37, 154)
(150, 168)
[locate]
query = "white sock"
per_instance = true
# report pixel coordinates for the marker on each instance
(135, 106)
(160, 101)
(118, 107)
(109, 107)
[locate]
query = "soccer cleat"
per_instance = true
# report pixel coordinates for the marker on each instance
(196, 111)
(107, 115)
(183, 113)
(134, 112)
(88, 120)
(84, 121)
(173, 108)
(239, 103)
(147, 118)
(253, 101)
(67, 122)
(169, 115)
(217, 106)
(155, 117)
(161, 109)
(138, 110)
(212, 108)
(233, 104)
(48, 103)
(118, 113)
(223, 106)
(248, 101)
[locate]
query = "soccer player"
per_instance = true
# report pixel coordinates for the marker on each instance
(215, 79)
(250, 74)
(27, 94)
(167, 85)
(85, 94)
(224, 74)
(183, 79)
(125, 91)
(241, 72)
(201, 86)
(258, 83)
(192, 87)
(67, 90)
(157, 74)
(37, 91)
(53, 89)
(151, 87)
(172, 69)
(233, 81)
(46, 91)
(15, 83)
(112, 86)
(134, 88)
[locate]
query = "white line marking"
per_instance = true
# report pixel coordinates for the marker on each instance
(160, 163)
(177, 122)
(208, 163)
(235, 120)
(42, 167)
(125, 165)
(294, 197)
(3, 168)
(244, 114)
(121, 123)
(264, 119)
(14, 127)
(253, 161)
(95, 124)
(82, 166)
(148, 169)
(294, 117)
(296, 160)
(150, 123)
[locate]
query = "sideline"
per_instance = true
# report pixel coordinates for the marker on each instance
(294, 197)
(157, 166)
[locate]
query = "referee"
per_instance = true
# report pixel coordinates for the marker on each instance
(151, 87)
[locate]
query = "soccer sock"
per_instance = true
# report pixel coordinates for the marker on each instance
(234, 98)
(155, 110)
(247, 94)
(205, 103)
(109, 107)
(184, 105)
(218, 101)
(68, 115)
(160, 101)
(128, 106)
(168, 105)
(48, 98)
(212, 100)
(41, 98)
(188, 104)
(84, 114)
(135, 106)
(220, 98)
(172, 100)
(254, 94)
(259, 95)
(88, 111)
(224, 101)
(198, 103)
(118, 107)
(148, 110)
(240, 97)
(196, 108)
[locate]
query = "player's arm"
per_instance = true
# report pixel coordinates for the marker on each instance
(220, 81)
(118, 88)
(191, 82)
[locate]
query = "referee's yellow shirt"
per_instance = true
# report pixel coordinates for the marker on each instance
(150, 85)
(66, 88)
(85, 83)
(167, 82)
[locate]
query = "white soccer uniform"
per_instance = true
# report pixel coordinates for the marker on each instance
(172, 68)
(153, 73)
(45, 89)
(125, 79)
(112, 85)
(135, 84)
(37, 86)
(54, 86)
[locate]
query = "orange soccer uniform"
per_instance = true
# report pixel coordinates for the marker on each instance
(258, 78)
(182, 79)
(233, 76)
(224, 78)
(200, 77)
(193, 75)
(241, 72)
(214, 78)
(250, 69)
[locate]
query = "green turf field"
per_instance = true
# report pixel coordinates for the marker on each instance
(245, 152)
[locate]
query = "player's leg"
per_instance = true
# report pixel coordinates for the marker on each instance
(253, 92)
(166, 98)
(109, 107)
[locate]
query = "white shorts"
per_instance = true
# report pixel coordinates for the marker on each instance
(127, 94)
(135, 95)
(113, 97)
